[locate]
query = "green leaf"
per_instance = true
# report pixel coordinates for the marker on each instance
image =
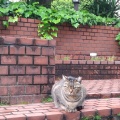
(28, 14)
(118, 37)
(54, 34)
(6, 24)
(13, 19)
(76, 25)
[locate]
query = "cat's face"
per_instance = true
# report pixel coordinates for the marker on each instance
(71, 85)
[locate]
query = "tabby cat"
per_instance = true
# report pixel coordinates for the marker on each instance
(68, 93)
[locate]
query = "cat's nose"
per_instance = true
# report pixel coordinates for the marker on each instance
(71, 90)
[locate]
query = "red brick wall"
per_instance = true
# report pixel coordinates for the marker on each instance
(89, 70)
(80, 42)
(24, 27)
(77, 43)
(27, 69)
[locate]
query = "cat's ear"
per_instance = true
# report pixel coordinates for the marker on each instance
(79, 79)
(64, 77)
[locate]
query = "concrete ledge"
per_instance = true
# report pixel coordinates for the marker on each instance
(104, 107)
(85, 62)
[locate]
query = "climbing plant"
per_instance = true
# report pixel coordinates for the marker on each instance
(51, 17)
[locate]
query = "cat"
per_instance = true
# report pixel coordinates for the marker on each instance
(68, 94)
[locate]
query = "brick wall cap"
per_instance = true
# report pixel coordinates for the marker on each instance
(117, 62)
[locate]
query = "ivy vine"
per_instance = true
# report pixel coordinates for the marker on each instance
(51, 17)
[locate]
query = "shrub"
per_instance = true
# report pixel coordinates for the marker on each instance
(104, 8)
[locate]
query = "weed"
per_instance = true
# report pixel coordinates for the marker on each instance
(47, 99)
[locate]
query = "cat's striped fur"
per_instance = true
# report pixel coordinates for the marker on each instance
(68, 93)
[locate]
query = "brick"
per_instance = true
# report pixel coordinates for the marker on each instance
(31, 29)
(16, 90)
(16, 28)
(106, 95)
(17, 69)
(3, 49)
(2, 118)
(5, 32)
(20, 33)
(3, 70)
(34, 34)
(24, 29)
(13, 100)
(4, 91)
(8, 59)
(15, 117)
(31, 20)
(17, 50)
(74, 61)
(35, 116)
(72, 116)
(89, 62)
(23, 19)
(52, 43)
(25, 79)
(40, 79)
(58, 61)
(48, 70)
(12, 32)
(48, 51)
(39, 111)
(54, 115)
(41, 42)
(21, 112)
(88, 112)
(52, 60)
(24, 99)
(103, 62)
(115, 109)
(8, 80)
(32, 69)
(26, 41)
(46, 89)
(41, 60)
(34, 25)
(32, 89)
(25, 60)
(37, 21)
(104, 111)
(97, 62)
(51, 79)
(117, 62)
(9, 40)
(33, 50)
(82, 61)
(66, 61)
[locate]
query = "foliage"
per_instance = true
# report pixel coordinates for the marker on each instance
(47, 99)
(50, 18)
(118, 38)
(61, 4)
(95, 117)
(46, 3)
(104, 8)
(102, 58)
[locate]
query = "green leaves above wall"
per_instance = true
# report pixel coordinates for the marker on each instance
(51, 17)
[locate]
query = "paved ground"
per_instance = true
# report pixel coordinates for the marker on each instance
(110, 105)
(102, 88)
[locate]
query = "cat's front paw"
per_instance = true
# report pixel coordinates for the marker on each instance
(71, 110)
